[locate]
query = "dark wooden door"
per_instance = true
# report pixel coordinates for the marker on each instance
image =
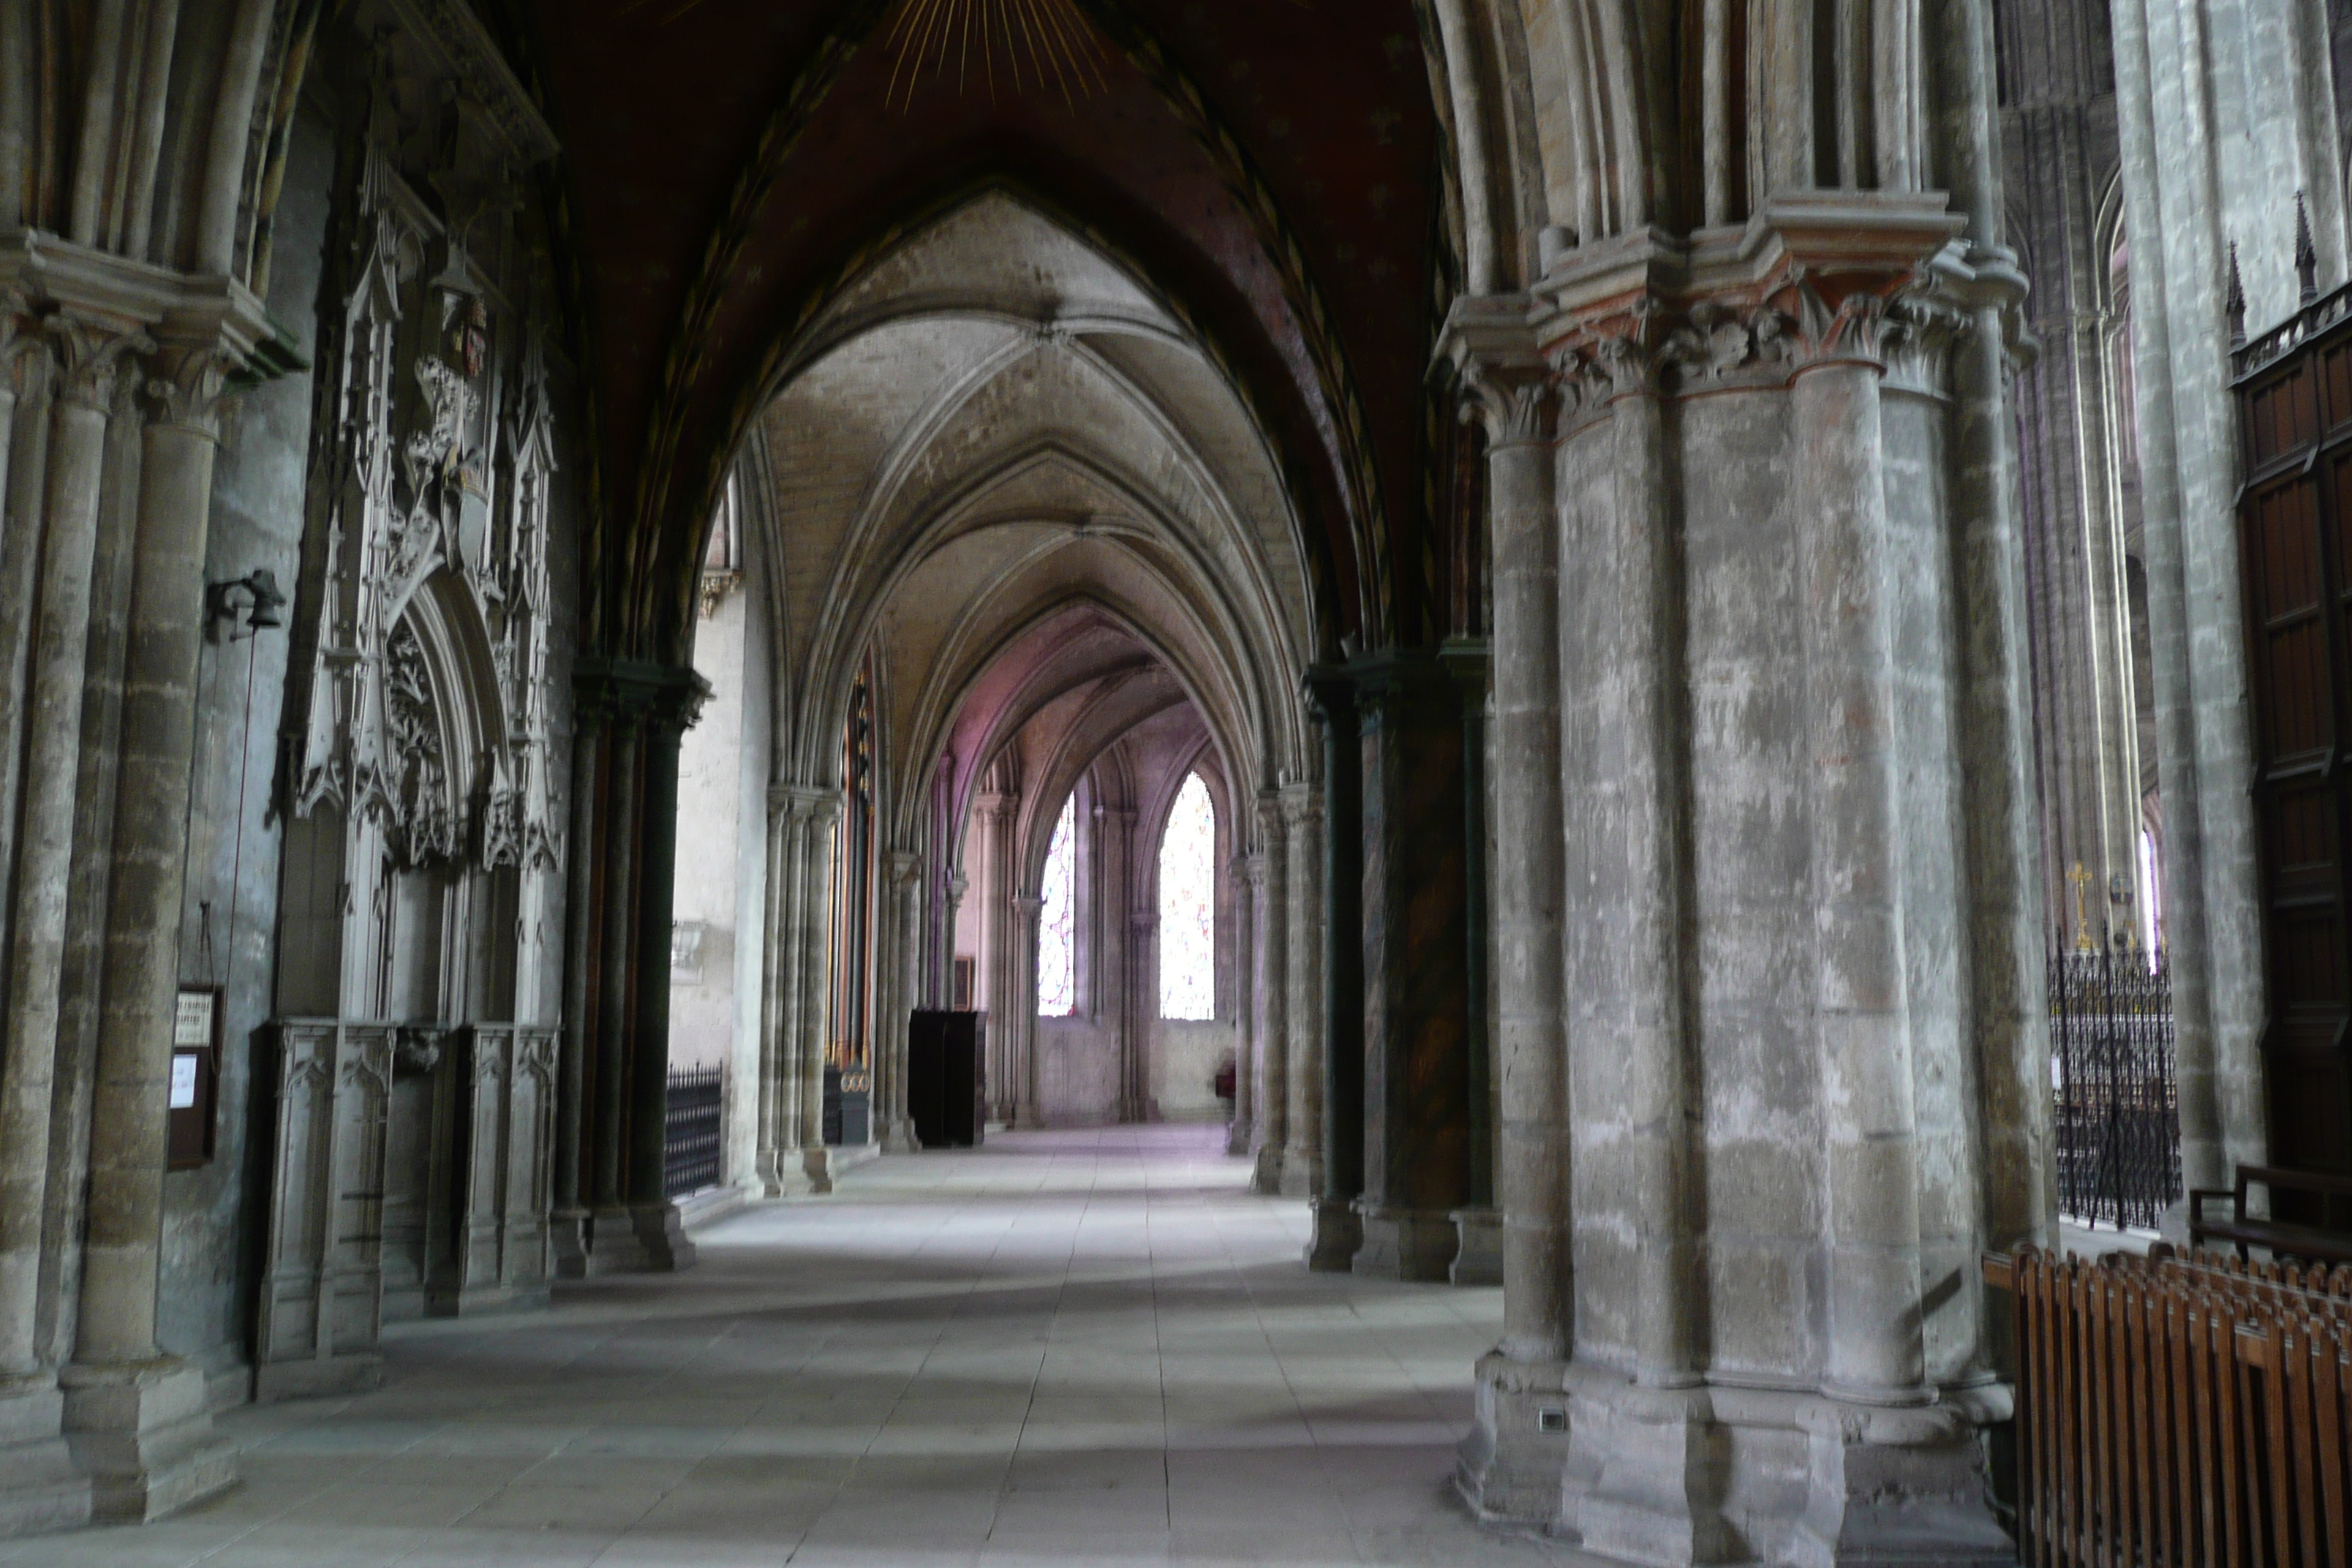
(2294, 515)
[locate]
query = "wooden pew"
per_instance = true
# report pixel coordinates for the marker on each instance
(2280, 1236)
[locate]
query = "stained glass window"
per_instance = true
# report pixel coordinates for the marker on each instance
(1057, 947)
(1188, 901)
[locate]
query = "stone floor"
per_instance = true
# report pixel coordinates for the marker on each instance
(1069, 1348)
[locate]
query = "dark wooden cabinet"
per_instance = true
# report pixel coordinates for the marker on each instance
(947, 1087)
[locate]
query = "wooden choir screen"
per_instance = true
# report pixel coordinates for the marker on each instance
(2181, 1411)
(2294, 519)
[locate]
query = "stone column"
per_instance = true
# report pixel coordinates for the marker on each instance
(1249, 876)
(1873, 1220)
(1272, 887)
(1412, 1087)
(1339, 1159)
(137, 1417)
(612, 1227)
(905, 873)
(1138, 1010)
(815, 933)
(568, 1224)
(675, 702)
(1509, 1466)
(783, 1168)
(1478, 1224)
(1000, 948)
(1302, 1155)
(42, 1491)
(1022, 1049)
(957, 886)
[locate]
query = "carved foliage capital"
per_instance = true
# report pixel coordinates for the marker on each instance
(1513, 397)
(90, 355)
(189, 387)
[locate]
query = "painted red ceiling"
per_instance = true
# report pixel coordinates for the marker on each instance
(660, 113)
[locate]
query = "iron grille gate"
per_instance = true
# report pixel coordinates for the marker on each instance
(690, 1132)
(2118, 1107)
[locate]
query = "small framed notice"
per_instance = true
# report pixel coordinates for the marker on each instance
(195, 1074)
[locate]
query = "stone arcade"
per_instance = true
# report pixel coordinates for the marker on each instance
(1491, 638)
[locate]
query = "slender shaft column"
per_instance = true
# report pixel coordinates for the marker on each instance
(54, 698)
(1875, 1354)
(1509, 1466)
(1249, 876)
(1338, 1228)
(1302, 1156)
(1273, 889)
(660, 1234)
(615, 964)
(1655, 1043)
(51, 717)
(1027, 1110)
(24, 468)
(816, 933)
(137, 1417)
(945, 998)
(1532, 1162)
(905, 982)
(39, 1488)
(568, 1233)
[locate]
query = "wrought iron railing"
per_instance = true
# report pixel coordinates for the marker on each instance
(690, 1135)
(2118, 1106)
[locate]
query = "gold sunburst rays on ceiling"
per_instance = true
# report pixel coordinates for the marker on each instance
(1044, 44)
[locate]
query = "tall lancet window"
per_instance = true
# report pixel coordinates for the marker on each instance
(1057, 947)
(1188, 903)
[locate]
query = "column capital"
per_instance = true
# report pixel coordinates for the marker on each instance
(903, 866)
(957, 886)
(1028, 907)
(803, 803)
(628, 692)
(1509, 386)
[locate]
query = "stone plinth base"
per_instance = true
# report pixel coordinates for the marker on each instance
(317, 1378)
(1266, 1180)
(898, 1137)
(646, 1238)
(818, 1166)
(1339, 1234)
(1509, 1468)
(1406, 1244)
(40, 1489)
(144, 1434)
(1302, 1174)
(1709, 1474)
(567, 1244)
(1237, 1137)
(1478, 1251)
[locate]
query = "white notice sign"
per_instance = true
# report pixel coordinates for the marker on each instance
(184, 1081)
(192, 1026)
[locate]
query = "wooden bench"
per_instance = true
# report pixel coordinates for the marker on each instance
(2280, 1236)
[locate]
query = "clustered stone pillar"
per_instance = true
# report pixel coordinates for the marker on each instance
(792, 1001)
(567, 1221)
(1757, 918)
(642, 710)
(1021, 1052)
